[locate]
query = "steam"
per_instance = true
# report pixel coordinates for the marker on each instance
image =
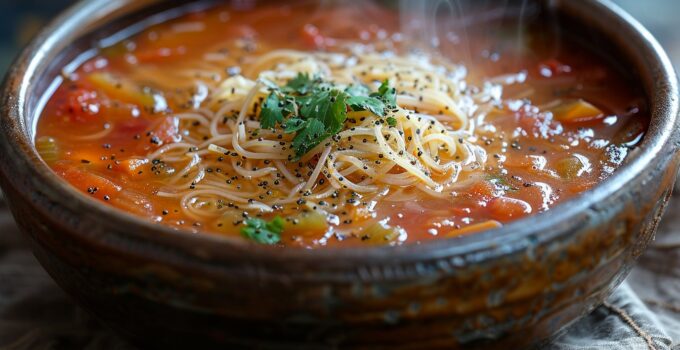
(449, 27)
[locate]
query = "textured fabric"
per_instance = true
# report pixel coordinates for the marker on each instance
(644, 313)
(623, 322)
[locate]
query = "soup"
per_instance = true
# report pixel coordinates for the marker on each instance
(313, 126)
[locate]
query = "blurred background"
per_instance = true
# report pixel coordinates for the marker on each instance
(20, 20)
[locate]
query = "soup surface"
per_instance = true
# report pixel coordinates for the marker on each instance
(310, 126)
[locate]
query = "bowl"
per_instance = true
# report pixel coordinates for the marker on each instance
(505, 288)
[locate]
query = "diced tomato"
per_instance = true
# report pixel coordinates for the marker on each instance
(131, 127)
(86, 156)
(506, 208)
(133, 167)
(80, 105)
(166, 131)
(536, 124)
(312, 38)
(88, 182)
(552, 67)
(149, 133)
(482, 188)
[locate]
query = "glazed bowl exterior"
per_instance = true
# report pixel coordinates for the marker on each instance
(505, 288)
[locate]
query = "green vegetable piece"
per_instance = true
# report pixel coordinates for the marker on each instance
(391, 121)
(263, 232)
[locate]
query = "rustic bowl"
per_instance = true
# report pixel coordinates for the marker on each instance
(508, 287)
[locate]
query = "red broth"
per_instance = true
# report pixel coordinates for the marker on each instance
(565, 127)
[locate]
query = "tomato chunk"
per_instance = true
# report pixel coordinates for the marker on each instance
(80, 105)
(314, 39)
(506, 208)
(553, 67)
(88, 182)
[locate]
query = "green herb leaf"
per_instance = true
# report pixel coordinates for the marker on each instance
(294, 124)
(359, 100)
(327, 106)
(264, 232)
(357, 90)
(365, 103)
(315, 110)
(272, 111)
(309, 135)
(391, 121)
(386, 93)
(301, 84)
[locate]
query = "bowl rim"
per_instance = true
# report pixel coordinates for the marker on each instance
(545, 226)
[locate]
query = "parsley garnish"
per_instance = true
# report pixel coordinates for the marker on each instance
(271, 113)
(264, 232)
(315, 110)
(386, 93)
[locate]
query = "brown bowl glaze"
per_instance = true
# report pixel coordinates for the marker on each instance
(509, 287)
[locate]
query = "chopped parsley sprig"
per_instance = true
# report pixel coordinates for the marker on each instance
(262, 231)
(314, 109)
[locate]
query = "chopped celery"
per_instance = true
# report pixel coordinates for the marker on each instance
(47, 148)
(124, 90)
(306, 224)
(572, 166)
(381, 233)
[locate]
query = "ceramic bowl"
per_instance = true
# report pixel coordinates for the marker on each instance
(506, 288)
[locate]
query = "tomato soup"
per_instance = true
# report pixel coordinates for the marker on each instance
(322, 126)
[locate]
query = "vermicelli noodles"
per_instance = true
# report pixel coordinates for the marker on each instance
(432, 143)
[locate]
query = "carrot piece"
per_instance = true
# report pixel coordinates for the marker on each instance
(132, 166)
(482, 226)
(576, 111)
